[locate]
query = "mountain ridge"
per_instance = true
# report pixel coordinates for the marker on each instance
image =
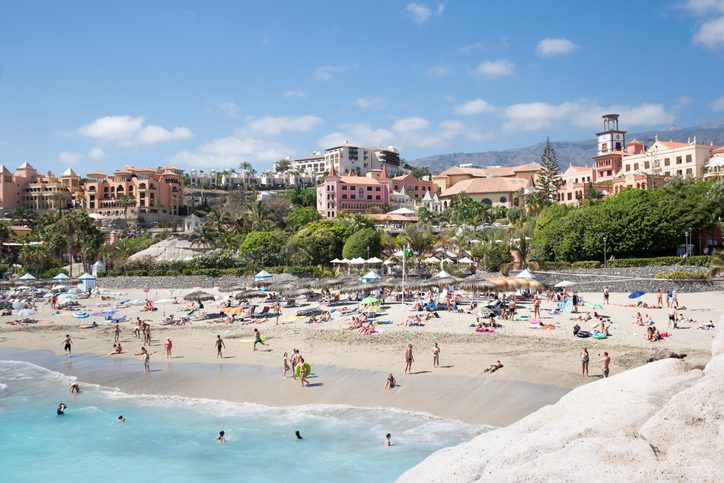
(578, 153)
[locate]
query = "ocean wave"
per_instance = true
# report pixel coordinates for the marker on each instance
(410, 424)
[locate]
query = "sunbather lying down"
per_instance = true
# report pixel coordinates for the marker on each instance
(494, 367)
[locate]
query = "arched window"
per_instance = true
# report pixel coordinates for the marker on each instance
(487, 201)
(503, 199)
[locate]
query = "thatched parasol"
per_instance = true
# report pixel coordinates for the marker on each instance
(199, 296)
(247, 294)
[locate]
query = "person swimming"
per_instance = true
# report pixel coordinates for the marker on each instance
(61, 409)
(122, 419)
(221, 438)
(388, 440)
(74, 388)
(297, 435)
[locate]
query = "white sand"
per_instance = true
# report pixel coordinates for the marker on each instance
(660, 422)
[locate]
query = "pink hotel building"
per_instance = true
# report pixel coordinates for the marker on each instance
(352, 193)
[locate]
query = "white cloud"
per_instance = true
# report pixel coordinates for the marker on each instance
(68, 157)
(495, 68)
(711, 33)
(584, 114)
(130, 131)
(710, 16)
(228, 152)
(369, 103)
(96, 153)
(421, 13)
(441, 70)
(411, 132)
(278, 124)
(156, 134)
(229, 108)
(718, 104)
(327, 72)
(476, 106)
(553, 47)
(296, 93)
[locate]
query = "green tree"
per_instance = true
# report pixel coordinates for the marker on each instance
(301, 216)
(258, 215)
(364, 243)
(315, 246)
(716, 265)
(265, 247)
(419, 238)
(548, 179)
(125, 201)
(492, 256)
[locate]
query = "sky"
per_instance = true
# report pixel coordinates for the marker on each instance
(98, 85)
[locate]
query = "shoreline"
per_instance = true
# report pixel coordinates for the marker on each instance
(489, 402)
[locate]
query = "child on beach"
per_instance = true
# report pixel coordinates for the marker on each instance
(146, 357)
(67, 344)
(219, 345)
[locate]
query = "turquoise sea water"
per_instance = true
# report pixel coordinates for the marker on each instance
(172, 438)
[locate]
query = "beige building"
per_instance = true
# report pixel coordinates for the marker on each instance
(668, 158)
(456, 174)
(714, 169)
(489, 191)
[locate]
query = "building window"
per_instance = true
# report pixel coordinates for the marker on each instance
(688, 158)
(344, 197)
(636, 166)
(487, 201)
(344, 187)
(503, 199)
(689, 172)
(604, 147)
(369, 188)
(628, 167)
(646, 165)
(369, 197)
(678, 160)
(377, 197)
(377, 188)
(667, 162)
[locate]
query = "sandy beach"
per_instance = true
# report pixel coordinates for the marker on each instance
(540, 365)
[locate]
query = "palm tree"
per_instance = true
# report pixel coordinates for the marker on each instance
(358, 221)
(218, 220)
(125, 201)
(716, 265)
(24, 217)
(419, 238)
(60, 198)
(258, 215)
(204, 236)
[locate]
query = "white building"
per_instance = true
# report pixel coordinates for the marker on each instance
(203, 178)
(348, 157)
(667, 158)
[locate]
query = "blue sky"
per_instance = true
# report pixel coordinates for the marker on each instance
(97, 85)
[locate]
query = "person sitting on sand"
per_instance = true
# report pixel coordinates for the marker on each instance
(639, 319)
(494, 367)
(313, 319)
(117, 349)
(391, 383)
(576, 329)
(504, 314)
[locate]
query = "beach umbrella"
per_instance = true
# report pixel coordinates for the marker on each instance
(563, 284)
(61, 276)
(358, 261)
(370, 276)
(374, 261)
(390, 261)
(199, 296)
(344, 261)
(525, 274)
(477, 284)
(441, 274)
(369, 301)
(636, 294)
(56, 288)
(25, 313)
(465, 261)
(336, 260)
(263, 275)
(536, 285)
(432, 260)
(27, 277)
(247, 294)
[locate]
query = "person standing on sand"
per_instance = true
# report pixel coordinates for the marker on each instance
(168, 345)
(219, 345)
(117, 332)
(278, 311)
(536, 307)
(257, 338)
(303, 372)
(137, 328)
(409, 359)
(605, 362)
(659, 297)
(146, 358)
(435, 355)
(674, 298)
(67, 345)
(605, 295)
(285, 364)
(585, 358)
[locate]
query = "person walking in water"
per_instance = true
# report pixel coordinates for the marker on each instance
(67, 345)
(257, 338)
(409, 359)
(168, 345)
(303, 372)
(146, 358)
(585, 358)
(435, 355)
(219, 345)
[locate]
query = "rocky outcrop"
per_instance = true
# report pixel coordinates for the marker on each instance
(663, 421)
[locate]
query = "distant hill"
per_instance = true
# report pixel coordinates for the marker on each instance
(575, 152)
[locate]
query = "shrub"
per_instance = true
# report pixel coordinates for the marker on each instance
(549, 265)
(586, 264)
(697, 275)
(700, 261)
(361, 243)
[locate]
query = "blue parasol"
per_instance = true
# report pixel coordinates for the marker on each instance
(636, 294)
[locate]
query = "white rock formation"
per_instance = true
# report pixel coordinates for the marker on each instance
(663, 421)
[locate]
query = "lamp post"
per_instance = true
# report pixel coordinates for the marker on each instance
(604, 252)
(687, 237)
